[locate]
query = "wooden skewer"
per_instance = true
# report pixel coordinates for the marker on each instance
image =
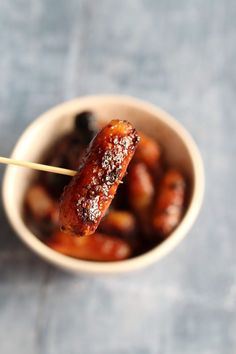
(37, 166)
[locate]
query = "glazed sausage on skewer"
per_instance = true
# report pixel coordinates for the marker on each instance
(89, 194)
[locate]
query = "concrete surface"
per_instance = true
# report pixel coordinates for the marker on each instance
(181, 56)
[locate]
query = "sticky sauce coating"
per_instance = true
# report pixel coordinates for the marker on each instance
(169, 204)
(97, 247)
(89, 194)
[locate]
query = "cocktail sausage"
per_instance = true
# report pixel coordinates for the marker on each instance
(89, 194)
(169, 203)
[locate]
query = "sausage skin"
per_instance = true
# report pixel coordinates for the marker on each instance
(169, 203)
(140, 188)
(148, 152)
(120, 223)
(141, 192)
(97, 247)
(89, 194)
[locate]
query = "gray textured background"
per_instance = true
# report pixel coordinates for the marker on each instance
(181, 56)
